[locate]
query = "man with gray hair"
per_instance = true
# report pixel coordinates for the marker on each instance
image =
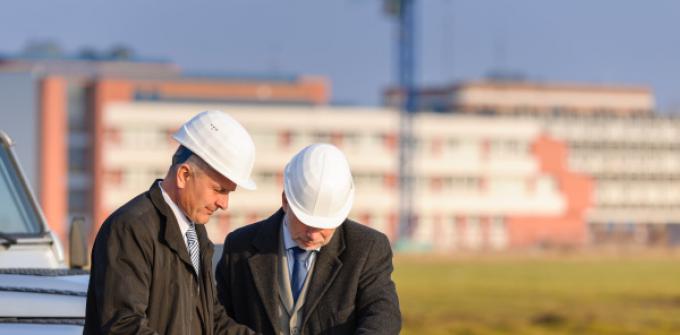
(308, 269)
(152, 259)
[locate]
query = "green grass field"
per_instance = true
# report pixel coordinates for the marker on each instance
(539, 295)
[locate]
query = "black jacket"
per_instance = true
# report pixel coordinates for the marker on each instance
(351, 291)
(142, 280)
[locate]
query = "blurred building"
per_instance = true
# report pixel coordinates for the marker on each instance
(498, 164)
(482, 183)
(52, 106)
(503, 97)
(612, 135)
(635, 165)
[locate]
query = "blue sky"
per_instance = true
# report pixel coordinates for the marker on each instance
(352, 42)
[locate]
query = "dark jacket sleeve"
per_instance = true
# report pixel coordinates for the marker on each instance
(222, 278)
(223, 323)
(122, 268)
(377, 301)
(226, 325)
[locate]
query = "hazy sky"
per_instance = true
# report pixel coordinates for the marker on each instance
(352, 42)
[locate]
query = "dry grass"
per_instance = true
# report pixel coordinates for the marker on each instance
(556, 293)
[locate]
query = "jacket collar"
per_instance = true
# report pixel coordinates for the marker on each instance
(172, 237)
(326, 268)
(265, 262)
(170, 233)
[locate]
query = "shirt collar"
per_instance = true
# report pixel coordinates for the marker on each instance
(182, 219)
(288, 242)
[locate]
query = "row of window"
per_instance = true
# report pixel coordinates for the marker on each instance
(144, 138)
(455, 232)
(139, 138)
(643, 196)
(462, 232)
(226, 221)
(654, 179)
(628, 206)
(386, 181)
(546, 111)
(624, 147)
(642, 163)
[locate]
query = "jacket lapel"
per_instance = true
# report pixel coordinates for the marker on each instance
(170, 232)
(207, 287)
(285, 293)
(326, 268)
(207, 249)
(264, 265)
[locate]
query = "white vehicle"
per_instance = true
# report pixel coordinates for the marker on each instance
(38, 293)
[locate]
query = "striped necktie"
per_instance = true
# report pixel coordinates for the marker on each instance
(192, 245)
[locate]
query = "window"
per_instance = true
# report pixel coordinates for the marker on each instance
(78, 201)
(112, 135)
(76, 104)
(390, 141)
(285, 139)
(473, 233)
(17, 214)
(78, 159)
(498, 235)
(113, 177)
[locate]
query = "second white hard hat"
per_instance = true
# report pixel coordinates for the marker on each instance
(221, 142)
(318, 186)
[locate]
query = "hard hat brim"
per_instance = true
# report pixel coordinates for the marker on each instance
(319, 221)
(185, 138)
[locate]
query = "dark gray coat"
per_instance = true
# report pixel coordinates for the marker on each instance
(142, 280)
(351, 290)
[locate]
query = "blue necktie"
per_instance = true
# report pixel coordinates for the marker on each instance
(192, 245)
(299, 270)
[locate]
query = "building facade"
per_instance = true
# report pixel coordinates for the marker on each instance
(53, 108)
(612, 134)
(635, 166)
(502, 97)
(498, 165)
(481, 183)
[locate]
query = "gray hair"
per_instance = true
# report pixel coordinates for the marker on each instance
(184, 155)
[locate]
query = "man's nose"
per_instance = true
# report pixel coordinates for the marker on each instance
(222, 201)
(311, 232)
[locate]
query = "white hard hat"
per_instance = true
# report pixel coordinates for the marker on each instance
(221, 142)
(318, 186)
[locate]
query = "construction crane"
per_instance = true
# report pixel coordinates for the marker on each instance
(404, 12)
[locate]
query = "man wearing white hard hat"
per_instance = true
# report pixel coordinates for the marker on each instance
(152, 260)
(308, 269)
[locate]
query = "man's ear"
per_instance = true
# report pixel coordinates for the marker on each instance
(183, 173)
(284, 202)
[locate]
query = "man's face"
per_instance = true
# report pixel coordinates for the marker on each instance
(202, 192)
(306, 237)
